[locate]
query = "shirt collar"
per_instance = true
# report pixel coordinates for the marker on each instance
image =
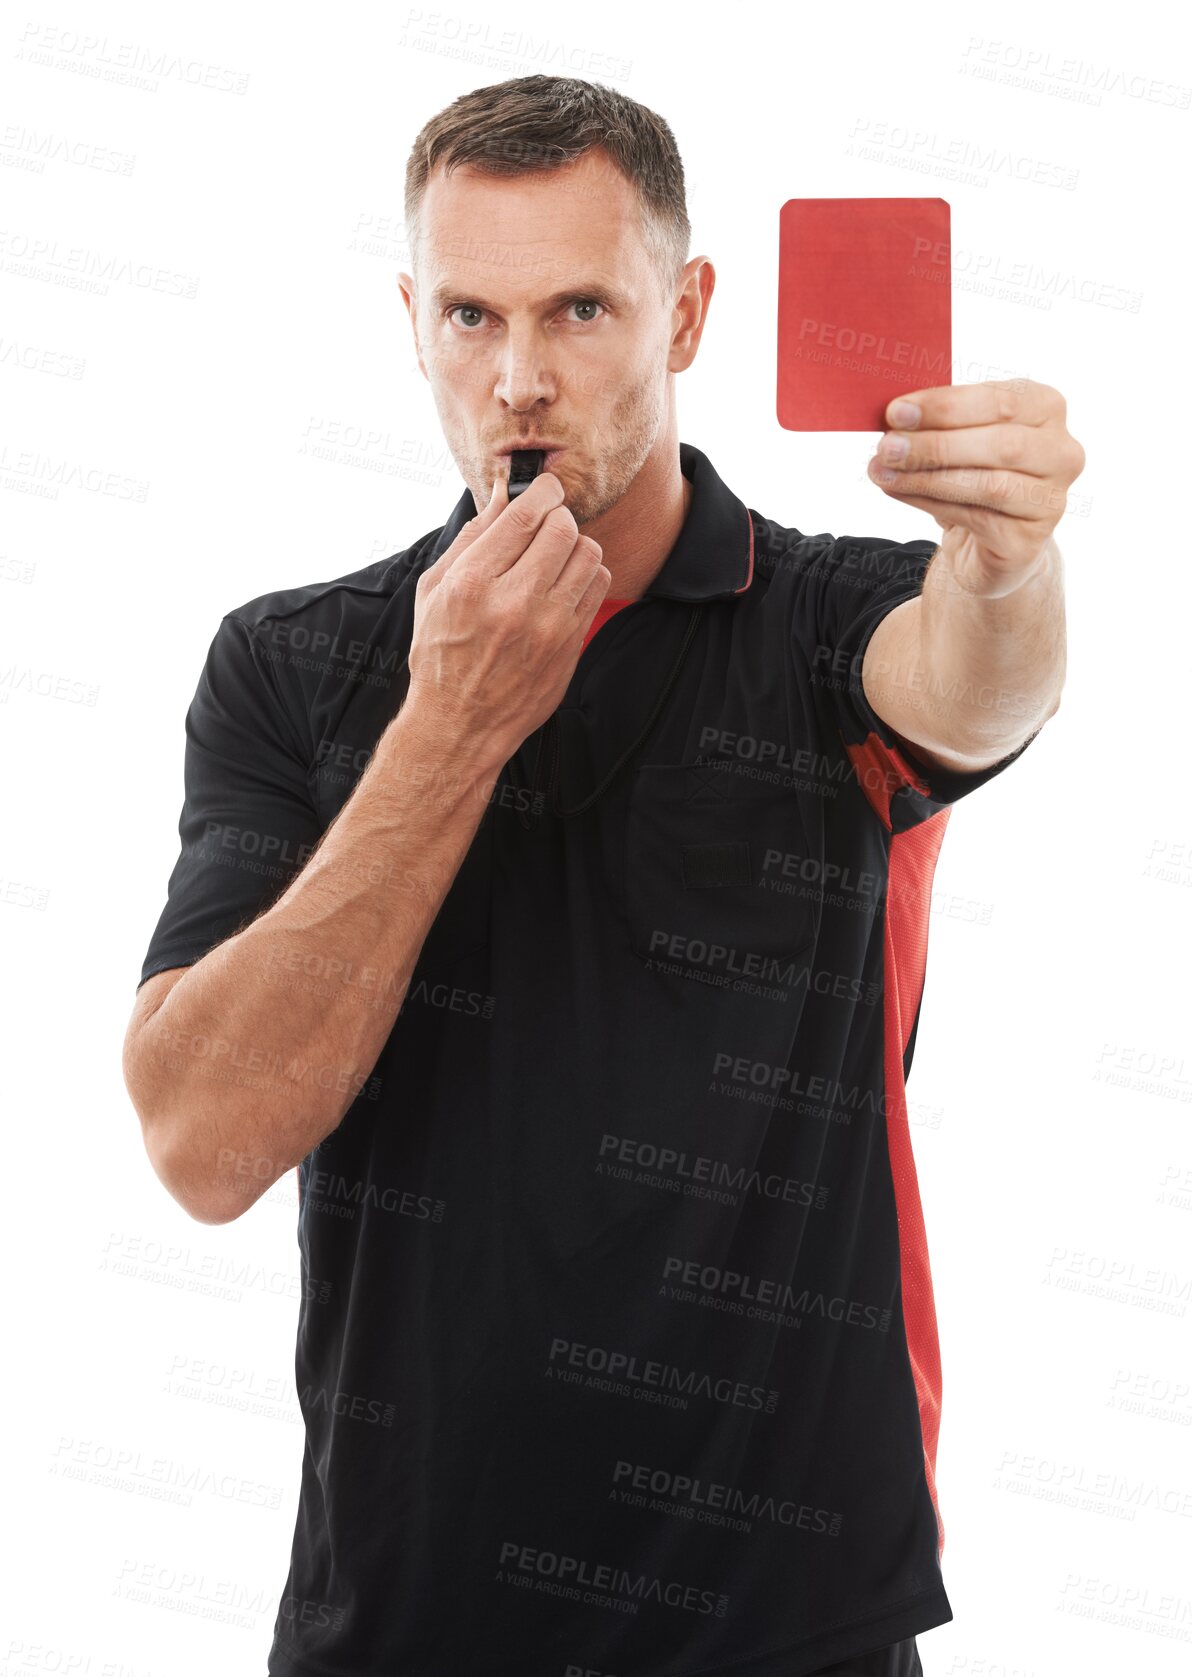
(712, 559)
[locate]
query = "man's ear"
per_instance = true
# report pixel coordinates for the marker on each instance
(691, 312)
(406, 286)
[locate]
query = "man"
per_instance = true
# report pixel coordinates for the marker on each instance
(554, 895)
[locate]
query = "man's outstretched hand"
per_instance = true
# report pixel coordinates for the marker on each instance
(992, 464)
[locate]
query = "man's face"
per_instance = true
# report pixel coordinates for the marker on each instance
(537, 314)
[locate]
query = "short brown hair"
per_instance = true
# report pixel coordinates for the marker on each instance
(534, 123)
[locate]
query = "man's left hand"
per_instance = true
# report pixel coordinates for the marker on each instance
(992, 464)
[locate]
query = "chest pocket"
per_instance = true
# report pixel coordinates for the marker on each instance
(712, 862)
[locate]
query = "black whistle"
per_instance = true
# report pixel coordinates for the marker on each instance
(524, 466)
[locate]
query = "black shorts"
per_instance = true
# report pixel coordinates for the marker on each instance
(899, 1659)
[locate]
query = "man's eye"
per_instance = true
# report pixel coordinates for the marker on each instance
(473, 309)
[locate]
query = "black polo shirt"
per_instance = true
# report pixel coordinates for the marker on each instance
(617, 1349)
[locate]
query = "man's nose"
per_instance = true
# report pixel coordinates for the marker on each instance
(525, 374)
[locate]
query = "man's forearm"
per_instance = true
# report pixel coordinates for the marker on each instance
(1002, 659)
(965, 678)
(258, 1051)
(973, 667)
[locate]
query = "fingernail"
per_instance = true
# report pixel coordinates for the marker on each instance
(905, 413)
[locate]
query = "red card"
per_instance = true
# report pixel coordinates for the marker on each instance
(864, 308)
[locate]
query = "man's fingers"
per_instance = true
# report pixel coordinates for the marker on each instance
(471, 531)
(524, 521)
(1012, 493)
(994, 402)
(497, 502)
(1035, 450)
(522, 525)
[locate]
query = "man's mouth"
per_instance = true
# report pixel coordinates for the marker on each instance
(551, 451)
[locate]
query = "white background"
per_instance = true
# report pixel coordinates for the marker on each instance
(1052, 1087)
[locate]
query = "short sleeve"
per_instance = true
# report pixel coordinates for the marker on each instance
(852, 584)
(248, 821)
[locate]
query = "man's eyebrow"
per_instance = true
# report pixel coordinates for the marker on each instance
(599, 290)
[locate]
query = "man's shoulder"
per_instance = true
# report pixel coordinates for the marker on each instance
(789, 557)
(783, 554)
(355, 596)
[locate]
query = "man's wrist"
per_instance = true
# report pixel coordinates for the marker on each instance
(460, 752)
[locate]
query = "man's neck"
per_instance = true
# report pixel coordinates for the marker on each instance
(639, 532)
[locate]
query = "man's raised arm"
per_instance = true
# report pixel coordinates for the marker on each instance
(498, 629)
(975, 665)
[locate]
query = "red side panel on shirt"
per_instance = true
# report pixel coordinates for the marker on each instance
(882, 770)
(913, 856)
